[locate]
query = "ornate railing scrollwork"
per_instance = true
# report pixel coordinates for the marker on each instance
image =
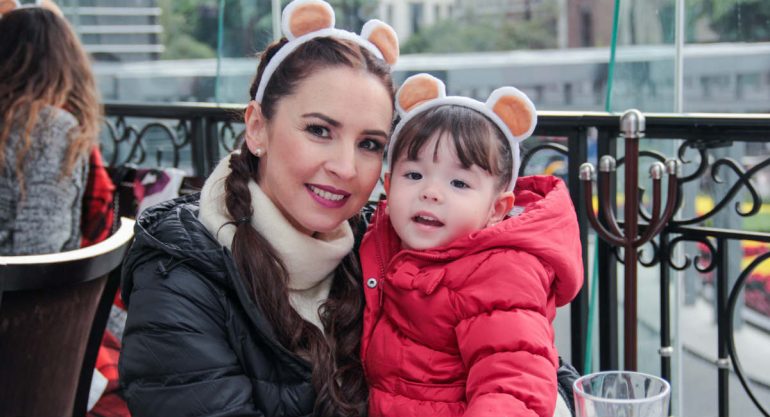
(125, 135)
(744, 180)
(531, 152)
(695, 261)
(732, 301)
(228, 138)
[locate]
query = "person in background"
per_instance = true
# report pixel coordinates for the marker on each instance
(246, 300)
(49, 118)
(461, 290)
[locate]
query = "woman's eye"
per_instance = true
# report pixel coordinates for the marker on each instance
(317, 130)
(459, 184)
(372, 145)
(413, 176)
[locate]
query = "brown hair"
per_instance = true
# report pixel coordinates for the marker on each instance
(337, 375)
(42, 63)
(477, 140)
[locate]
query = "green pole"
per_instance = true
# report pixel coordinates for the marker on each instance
(220, 42)
(594, 278)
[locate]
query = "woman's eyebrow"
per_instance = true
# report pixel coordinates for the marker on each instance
(335, 123)
(323, 117)
(376, 133)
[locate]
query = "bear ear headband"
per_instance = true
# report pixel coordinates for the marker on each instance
(510, 109)
(303, 20)
(7, 6)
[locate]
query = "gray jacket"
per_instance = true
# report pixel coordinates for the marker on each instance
(47, 220)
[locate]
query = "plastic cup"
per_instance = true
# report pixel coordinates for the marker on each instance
(621, 394)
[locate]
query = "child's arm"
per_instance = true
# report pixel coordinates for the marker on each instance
(506, 339)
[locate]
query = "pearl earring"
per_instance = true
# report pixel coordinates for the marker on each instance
(258, 152)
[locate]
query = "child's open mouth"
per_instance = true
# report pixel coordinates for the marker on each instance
(427, 220)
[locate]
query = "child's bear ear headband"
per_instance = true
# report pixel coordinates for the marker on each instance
(510, 109)
(7, 6)
(303, 20)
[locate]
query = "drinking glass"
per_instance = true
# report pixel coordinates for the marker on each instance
(621, 394)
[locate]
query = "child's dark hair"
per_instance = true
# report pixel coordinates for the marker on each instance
(477, 140)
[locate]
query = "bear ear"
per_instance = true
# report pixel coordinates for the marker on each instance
(383, 37)
(515, 109)
(50, 5)
(305, 16)
(8, 5)
(418, 89)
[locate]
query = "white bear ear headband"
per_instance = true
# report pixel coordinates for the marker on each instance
(303, 20)
(10, 5)
(510, 109)
(7, 6)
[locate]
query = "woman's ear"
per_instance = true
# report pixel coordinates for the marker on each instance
(501, 207)
(256, 129)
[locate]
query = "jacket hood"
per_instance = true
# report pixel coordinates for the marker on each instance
(545, 227)
(172, 230)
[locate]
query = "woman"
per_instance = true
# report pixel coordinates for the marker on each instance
(246, 300)
(50, 115)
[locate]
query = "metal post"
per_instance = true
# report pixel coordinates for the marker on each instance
(666, 350)
(723, 362)
(198, 147)
(608, 271)
(632, 126)
(579, 307)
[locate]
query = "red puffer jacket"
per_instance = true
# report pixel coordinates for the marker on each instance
(465, 329)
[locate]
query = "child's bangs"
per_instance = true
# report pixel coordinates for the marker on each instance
(477, 141)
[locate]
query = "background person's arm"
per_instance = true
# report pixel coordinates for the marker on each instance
(48, 218)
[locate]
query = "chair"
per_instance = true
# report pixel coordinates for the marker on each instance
(123, 177)
(53, 311)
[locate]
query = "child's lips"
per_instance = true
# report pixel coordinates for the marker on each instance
(427, 220)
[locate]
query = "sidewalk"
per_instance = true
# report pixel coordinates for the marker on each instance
(698, 329)
(699, 335)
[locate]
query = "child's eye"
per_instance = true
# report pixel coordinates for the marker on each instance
(459, 184)
(318, 130)
(413, 175)
(373, 145)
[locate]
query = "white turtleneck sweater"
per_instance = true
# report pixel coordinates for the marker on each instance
(310, 260)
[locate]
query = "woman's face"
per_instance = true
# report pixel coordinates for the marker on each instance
(323, 147)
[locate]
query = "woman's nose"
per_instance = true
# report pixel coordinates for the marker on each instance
(342, 162)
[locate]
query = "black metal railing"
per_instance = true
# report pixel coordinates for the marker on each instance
(195, 136)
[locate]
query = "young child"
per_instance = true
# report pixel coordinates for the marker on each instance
(460, 294)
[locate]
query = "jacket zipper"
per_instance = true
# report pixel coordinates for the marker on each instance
(380, 284)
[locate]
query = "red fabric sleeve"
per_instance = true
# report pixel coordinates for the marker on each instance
(506, 339)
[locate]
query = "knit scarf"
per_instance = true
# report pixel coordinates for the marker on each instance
(309, 260)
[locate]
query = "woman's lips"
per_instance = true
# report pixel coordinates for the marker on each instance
(327, 196)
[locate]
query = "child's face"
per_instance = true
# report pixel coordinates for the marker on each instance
(432, 202)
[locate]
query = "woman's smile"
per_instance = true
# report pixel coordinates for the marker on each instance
(328, 196)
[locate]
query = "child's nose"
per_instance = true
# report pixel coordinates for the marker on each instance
(431, 193)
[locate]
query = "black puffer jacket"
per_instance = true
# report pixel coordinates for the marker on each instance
(194, 343)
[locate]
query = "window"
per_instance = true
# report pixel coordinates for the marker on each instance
(416, 10)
